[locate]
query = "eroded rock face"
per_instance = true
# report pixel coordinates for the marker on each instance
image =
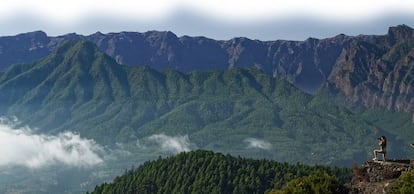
(378, 72)
(375, 176)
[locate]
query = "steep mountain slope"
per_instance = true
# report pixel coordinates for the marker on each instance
(239, 111)
(378, 71)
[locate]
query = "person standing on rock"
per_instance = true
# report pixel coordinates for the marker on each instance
(382, 142)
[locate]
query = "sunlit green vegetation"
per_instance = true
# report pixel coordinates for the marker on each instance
(207, 172)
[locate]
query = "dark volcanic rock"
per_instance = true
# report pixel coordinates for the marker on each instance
(375, 176)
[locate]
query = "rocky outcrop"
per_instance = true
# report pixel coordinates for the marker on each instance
(377, 71)
(375, 176)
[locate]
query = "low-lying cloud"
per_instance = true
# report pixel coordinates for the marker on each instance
(174, 144)
(23, 147)
(258, 143)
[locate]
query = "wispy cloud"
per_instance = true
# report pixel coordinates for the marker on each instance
(258, 143)
(23, 147)
(174, 144)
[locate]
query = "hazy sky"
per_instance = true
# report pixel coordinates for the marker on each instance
(218, 19)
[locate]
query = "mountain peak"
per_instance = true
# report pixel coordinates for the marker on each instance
(33, 34)
(400, 32)
(72, 36)
(80, 53)
(84, 44)
(401, 27)
(76, 46)
(161, 34)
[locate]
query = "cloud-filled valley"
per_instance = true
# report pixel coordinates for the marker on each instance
(21, 146)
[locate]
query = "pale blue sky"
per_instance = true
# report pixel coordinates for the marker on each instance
(218, 19)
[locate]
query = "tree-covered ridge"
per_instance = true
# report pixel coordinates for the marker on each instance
(207, 172)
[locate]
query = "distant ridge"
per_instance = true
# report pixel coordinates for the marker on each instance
(370, 70)
(304, 63)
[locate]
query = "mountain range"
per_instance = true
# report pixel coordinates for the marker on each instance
(370, 70)
(296, 61)
(79, 88)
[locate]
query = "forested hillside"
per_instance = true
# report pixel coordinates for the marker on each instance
(207, 172)
(239, 111)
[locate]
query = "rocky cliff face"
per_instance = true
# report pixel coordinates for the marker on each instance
(23, 48)
(304, 63)
(375, 176)
(377, 71)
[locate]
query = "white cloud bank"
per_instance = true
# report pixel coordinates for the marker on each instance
(174, 144)
(258, 143)
(232, 10)
(259, 19)
(21, 147)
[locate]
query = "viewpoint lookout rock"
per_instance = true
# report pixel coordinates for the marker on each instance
(376, 176)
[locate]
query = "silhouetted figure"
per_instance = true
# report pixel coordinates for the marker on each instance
(382, 142)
